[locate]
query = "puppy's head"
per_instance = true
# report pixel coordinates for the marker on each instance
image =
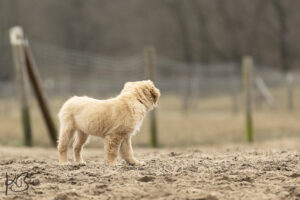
(144, 91)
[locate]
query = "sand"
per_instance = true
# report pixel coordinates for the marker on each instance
(260, 171)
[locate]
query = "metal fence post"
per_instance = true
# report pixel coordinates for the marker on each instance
(150, 62)
(247, 65)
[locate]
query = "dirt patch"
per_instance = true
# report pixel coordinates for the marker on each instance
(236, 172)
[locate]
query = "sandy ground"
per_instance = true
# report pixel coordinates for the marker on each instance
(260, 171)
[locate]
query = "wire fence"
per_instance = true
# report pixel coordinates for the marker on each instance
(67, 72)
(215, 88)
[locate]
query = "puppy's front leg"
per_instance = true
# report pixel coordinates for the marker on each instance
(127, 152)
(112, 147)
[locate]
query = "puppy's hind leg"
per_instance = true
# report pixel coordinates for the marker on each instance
(80, 140)
(66, 133)
(112, 147)
(127, 152)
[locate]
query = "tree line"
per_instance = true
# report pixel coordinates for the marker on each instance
(205, 31)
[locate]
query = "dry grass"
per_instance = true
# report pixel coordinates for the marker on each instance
(210, 121)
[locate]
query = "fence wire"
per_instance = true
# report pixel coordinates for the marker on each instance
(68, 72)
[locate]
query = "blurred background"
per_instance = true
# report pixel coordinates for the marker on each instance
(93, 47)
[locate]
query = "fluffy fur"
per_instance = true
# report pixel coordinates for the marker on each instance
(115, 120)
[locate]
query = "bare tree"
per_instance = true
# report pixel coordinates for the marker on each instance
(178, 8)
(282, 34)
(255, 47)
(205, 35)
(230, 27)
(200, 30)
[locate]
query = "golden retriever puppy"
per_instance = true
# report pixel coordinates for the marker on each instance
(115, 120)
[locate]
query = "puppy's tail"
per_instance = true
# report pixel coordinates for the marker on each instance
(65, 113)
(66, 120)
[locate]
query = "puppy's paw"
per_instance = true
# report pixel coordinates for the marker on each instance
(140, 163)
(64, 163)
(137, 163)
(112, 163)
(81, 162)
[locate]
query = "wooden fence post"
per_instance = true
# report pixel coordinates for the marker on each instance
(290, 91)
(234, 92)
(17, 43)
(150, 62)
(37, 88)
(247, 65)
(234, 99)
(187, 94)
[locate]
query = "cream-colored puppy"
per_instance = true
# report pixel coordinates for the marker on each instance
(115, 120)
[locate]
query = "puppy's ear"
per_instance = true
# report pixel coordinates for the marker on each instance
(155, 93)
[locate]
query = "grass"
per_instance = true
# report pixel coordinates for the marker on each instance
(210, 121)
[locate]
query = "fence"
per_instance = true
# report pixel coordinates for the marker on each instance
(190, 92)
(68, 72)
